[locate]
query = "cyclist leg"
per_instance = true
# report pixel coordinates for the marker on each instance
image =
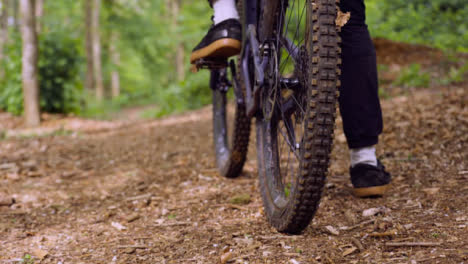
(359, 102)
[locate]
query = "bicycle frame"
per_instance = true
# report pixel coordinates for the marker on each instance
(253, 64)
(250, 49)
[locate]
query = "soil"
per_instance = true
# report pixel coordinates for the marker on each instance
(147, 191)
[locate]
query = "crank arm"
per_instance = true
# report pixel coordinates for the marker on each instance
(235, 84)
(251, 54)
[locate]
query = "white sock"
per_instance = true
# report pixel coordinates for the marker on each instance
(224, 10)
(363, 155)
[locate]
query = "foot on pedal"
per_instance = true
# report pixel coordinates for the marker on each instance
(221, 42)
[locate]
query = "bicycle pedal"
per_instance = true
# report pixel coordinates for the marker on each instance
(209, 63)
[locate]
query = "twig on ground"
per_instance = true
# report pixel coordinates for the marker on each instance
(384, 234)
(347, 228)
(133, 246)
(173, 224)
(272, 237)
(232, 206)
(243, 257)
(139, 197)
(412, 244)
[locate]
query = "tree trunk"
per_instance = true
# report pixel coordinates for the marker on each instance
(89, 82)
(29, 63)
(39, 14)
(180, 50)
(97, 63)
(3, 30)
(115, 58)
(16, 21)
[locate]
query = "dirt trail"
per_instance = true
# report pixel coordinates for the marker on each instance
(147, 192)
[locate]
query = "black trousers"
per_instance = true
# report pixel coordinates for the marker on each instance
(359, 99)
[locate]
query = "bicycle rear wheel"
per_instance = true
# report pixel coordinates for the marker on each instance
(296, 123)
(231, 126)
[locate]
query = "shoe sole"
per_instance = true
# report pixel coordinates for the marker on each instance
(370, 191)
(220, 48)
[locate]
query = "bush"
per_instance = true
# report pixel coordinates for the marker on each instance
(413, 77)
(438, 23)
(11, 94)
(192, 93)
(58, 75)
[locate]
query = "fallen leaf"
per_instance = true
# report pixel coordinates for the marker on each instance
(358, 244)
(342, 18)
(225, 257)
(118, 226)
(408, 226)
(130, 250)
(293, 261)
(31, 164)
(374, 211)
(349, 251)
(240, 199)
(133, 217)
(7, 166)
(341, 138)
(34, 174)
(431, 191)
(332, 230)
(39, 253)
(6, 201)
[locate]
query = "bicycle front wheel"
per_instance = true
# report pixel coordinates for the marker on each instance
(298, 108)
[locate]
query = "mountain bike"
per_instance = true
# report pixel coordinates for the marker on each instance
(287, 78)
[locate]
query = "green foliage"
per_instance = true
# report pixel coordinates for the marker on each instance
(60, 86)
(59, 82)
(27, 259)
(192, 93)
(438, 23)
(148, 40)
(105, 109)
(413, 77)
(456, 75)
(149, 72)
(11, 94)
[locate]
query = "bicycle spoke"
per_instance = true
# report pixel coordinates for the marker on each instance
(292, 49)
(284, 63)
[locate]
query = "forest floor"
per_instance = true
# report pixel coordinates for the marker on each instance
(147, 191)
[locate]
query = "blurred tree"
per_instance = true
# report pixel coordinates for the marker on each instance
(97, 60)
(29, 63)
(113, 40)
(16, 14)
(89, 82)
(180, 50)
(115, 59)
(39, 13)
(3, 30)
